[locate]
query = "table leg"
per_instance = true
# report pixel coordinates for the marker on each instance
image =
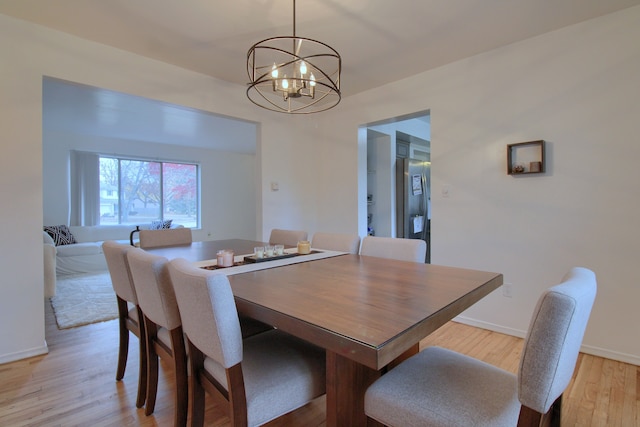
(347, 381)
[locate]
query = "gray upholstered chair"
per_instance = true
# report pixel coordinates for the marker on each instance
(129, 313)
(439, 387)
(401, 249)
(342, 242)
(287, 237)
(261, 377)
(163, 327)
(165, 237)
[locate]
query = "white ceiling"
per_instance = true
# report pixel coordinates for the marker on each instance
(380, 41)
(87, 110)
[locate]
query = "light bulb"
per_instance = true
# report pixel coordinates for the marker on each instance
(274, 71)
(313, 80)
(303, 68)
(285, 82)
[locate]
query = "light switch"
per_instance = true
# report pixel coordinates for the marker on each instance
(274, 186)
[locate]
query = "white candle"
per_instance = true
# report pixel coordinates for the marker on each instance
(228, 258)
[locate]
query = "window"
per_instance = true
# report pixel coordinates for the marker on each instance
(136, 191)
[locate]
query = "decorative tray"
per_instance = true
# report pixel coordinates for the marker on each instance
(216, 267)
(252, 258)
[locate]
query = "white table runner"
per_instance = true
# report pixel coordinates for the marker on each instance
(254, 266)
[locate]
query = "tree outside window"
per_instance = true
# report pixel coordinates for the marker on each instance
(138, 191)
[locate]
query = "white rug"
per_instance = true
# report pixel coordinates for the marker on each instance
(84, 299)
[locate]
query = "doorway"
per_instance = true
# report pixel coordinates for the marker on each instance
(387, 142)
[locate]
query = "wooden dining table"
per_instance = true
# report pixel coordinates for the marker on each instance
(366, 312)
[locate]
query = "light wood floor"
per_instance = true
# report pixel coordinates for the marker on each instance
(74, 385)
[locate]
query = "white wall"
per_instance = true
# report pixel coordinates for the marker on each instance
(577, 88)
(292, 151)
(30, 52)
(228, 193)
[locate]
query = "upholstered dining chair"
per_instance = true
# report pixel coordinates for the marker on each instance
(129, 312)
(165, 237)
(343, 242)
(287, 237)
(394, 248)
(257, 379)
(163, 327)
(439, 387)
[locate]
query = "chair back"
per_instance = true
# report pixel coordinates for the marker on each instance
(205, 298)
(116, 256)
(287, 237)
(150, 274)
(394, 248)
(342, 242)
(554, 338)
(165, 237)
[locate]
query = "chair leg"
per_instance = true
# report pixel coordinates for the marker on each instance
(556, 412)
(123, 313)
(151, 330)
(529, 417)
(182, 380)
(142, 374)
(196, 361)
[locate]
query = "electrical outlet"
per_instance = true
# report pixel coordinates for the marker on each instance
(506, 290)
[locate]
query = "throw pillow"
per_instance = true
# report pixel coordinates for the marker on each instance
(159, 225)
(60, 234)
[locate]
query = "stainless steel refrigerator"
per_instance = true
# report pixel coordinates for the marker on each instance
(413, 201)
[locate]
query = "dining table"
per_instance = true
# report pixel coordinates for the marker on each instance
(367, 313)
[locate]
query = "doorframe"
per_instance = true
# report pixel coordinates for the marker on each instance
(407, 124)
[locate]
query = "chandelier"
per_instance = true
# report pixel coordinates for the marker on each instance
(294, 75)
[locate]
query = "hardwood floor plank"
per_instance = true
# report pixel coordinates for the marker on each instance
(75, 383)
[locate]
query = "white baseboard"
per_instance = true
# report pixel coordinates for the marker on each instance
(588, 349)
(490, 326)
(12, 357)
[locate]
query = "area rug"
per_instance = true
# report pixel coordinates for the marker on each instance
(84, 299)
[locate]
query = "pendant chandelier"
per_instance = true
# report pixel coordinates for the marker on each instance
(294, 75)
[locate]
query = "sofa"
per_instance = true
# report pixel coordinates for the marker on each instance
(78, 249)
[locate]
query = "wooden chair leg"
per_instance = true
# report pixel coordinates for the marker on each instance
(151, 330)
(123, 351)
(237, 396)
(142, 373)
(196, 361)
(531, 418)
(556, 412)
(182, 379)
